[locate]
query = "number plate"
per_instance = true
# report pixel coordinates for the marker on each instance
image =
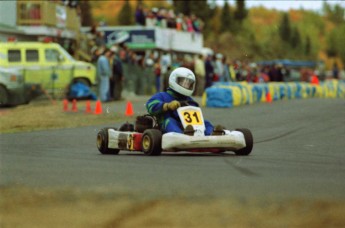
(192, 117)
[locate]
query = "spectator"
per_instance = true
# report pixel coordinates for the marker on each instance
(200, 73)
(100, 42)
(150, 19)
(117, 74)
(226, 70)
(335, 71)
(171, 20)
(232, 72)
(96, 52)
(92, 34)
(179, 22)
(219, 68)
(161, 18)
(104, 74)
(197, 24)
(165, 65)
(209, 71)
(140, 15)
(157, 72)
(280, 76)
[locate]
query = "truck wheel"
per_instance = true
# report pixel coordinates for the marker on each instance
(152, 142)
(3, 96)
(102, 142)
(249, 142)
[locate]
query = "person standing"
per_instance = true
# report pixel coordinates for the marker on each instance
(104, 74)
(335, 71)
(165, 63)
(226, 70)
(219, 68)
(209, 71)
(157, 72)
(199, 69)
(117, 75)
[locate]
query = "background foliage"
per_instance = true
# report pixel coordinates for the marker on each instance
(250, 34)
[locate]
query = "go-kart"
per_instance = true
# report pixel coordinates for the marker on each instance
(147, 137)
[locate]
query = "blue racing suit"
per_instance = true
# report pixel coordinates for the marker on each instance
(169, 121)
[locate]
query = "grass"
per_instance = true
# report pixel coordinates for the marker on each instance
(41, 115)
(107, 208)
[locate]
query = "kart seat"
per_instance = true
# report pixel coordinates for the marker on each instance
(145, 122)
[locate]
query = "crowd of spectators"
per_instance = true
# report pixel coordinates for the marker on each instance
(167, 18)
(139, 68)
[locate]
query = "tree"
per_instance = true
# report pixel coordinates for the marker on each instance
(86, 15)
(335, 13)
(202, 9)
(295, 38)
(240, 12)
(307, 46)
(182, 6)
(332, 44)
(226, 18)
(284, 28)
(125, 16)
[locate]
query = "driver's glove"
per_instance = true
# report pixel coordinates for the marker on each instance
(173, 105)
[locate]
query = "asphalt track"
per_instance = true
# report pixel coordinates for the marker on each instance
(299, 152)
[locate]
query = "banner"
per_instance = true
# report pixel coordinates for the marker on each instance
(135, 38)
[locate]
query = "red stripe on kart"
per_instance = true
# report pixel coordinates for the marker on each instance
(137, 141)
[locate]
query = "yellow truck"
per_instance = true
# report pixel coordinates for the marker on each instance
(47, 64)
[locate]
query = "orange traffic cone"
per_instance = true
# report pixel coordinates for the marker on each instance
(98, 109)
(129, 109)
(65, 105)
(74, 106)
(268, 97)
(88, 107)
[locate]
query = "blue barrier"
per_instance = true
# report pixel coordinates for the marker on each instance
(234, 94)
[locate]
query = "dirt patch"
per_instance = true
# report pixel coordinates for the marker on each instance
(23, 207)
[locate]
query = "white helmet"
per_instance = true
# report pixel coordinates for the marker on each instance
(182, 81)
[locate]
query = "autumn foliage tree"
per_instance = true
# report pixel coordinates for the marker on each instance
(240, 11)
(86, 16)
(226, 18)
(295, 40)
(125, 16)
(284, 28)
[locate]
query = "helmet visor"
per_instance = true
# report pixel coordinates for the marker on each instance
(186, 83)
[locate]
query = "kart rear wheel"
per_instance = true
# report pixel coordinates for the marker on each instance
(102, 142)
(249, 142)
(152, 142)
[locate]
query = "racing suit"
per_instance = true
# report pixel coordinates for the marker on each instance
(169, 121)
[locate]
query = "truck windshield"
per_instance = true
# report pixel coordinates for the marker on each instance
(66, 54)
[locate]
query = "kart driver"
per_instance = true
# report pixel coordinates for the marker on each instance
(163, 105)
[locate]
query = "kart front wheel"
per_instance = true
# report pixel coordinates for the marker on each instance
(152, 142)
(102, 142)
(248, 137)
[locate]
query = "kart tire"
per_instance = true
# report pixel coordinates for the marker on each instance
(102, 142)
(248, 137)
(152, 142)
